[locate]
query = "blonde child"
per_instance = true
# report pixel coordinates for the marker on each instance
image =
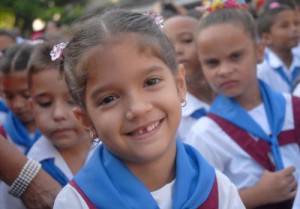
(181, 30)
(251, 132)
(122, 72)
(279, 29)
(65, 145)
(19, 125)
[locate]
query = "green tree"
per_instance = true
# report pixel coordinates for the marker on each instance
(23, 12)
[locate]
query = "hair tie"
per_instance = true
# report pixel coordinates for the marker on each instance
(57, 50)
(158, 19)
(220, 4)
(274, 5)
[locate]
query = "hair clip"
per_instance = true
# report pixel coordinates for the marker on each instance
(158, 19)
(274, 5)
(57, 50)
(220, 4)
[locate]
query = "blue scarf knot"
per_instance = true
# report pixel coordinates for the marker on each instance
(274, 103)
(108, 183)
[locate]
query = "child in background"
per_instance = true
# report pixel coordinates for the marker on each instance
(65, 145)
(19, 126)
(251, 132)
(181, 30)
(121, 70)
(278, 28)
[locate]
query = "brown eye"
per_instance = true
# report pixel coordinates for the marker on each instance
(152, 82)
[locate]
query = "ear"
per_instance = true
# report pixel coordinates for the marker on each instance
(83, 118)
(260, 52)
(180, 82)
(266, 38)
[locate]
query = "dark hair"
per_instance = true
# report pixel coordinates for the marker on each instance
(99, 29)
(16, 58)
(41, 60)
(227, 15)
(268, 16)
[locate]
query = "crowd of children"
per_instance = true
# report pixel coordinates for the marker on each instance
(134, 112)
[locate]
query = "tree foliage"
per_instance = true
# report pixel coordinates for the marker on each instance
(25, 11)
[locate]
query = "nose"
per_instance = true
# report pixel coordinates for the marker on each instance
(138, 105)
(60, 111)
(19, 102)
(225, 69)
(178, 49)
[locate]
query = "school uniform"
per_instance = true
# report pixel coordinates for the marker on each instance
(106, 183)
(297, 90)
(3, 110)
(237, 142)
(52, 162)
(17, 134)
(274, 72)
(191, 112)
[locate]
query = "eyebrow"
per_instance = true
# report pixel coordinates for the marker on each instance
(146, 71)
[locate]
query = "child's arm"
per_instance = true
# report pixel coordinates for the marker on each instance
(273, 187)
(43, 189)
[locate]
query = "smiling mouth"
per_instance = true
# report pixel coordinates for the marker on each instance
(146, 129)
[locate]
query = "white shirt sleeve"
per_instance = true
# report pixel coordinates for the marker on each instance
(68, 198)
(228, 193)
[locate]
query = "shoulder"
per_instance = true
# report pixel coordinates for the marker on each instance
(68, 197)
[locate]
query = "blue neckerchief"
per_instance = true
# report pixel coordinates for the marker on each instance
(3, 106)
(274, 103)
(198, 113)
(49, 166)
(109, 184)
(18, 132)
(290, 81)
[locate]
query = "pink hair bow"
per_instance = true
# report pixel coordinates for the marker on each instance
(57, 50)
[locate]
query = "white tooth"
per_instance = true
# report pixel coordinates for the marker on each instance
(141, 131)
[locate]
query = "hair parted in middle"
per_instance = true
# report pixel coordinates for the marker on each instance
(99, 29)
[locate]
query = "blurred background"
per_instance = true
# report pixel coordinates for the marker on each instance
(31, 18)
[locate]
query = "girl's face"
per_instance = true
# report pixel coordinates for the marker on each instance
(17, 95)
(285, 31)
(52, 108)
(133, 101)
(182, 33)
(229, 59)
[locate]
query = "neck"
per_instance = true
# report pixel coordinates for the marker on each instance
(251, 98)
(285, 55)
(31, 127)
(203, 92)
(155, 174)
(75, 156)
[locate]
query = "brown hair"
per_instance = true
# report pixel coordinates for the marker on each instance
(41, 60)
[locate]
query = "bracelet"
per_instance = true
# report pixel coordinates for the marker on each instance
(28, 172)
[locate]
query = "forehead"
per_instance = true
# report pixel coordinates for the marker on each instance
(108, 54)
(178, 25)
(48, 78)
(14, 81)
(285, 15)
(214, 37)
